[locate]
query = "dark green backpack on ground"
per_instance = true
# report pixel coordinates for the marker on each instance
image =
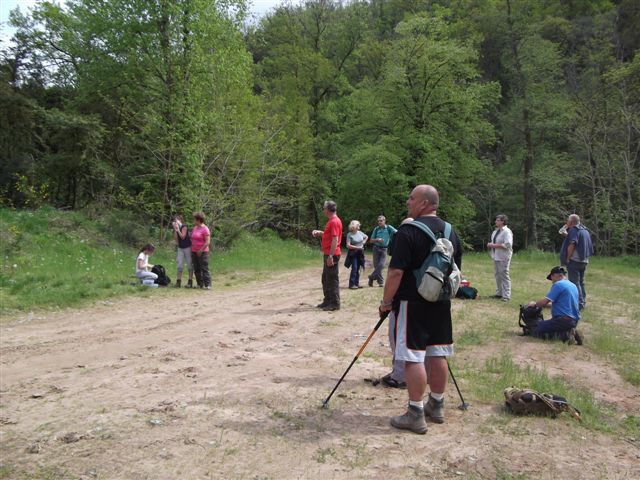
(466, 292)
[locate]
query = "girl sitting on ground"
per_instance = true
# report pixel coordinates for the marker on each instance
(143, 268)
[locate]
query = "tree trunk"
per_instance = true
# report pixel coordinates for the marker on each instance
(529, 188)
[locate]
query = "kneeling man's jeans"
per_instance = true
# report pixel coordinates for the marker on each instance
(555, 327)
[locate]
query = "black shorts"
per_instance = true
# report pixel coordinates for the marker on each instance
(423, 329)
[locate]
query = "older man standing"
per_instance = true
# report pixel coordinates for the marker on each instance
(501, 249)
(331, 237)
(424, 335)
(575, 252)
(380, 238)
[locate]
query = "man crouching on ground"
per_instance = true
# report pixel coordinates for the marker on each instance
(423, 332)
(565, 314)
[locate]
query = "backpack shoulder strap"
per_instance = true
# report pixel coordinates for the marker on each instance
(425, 229)
(447, 230)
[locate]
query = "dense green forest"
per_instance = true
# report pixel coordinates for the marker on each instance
(154, 107)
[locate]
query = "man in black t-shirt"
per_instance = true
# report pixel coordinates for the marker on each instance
(424, 335)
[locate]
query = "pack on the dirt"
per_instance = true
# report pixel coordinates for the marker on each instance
(163, 278)
(466, 292)
(524, 401)
(529, 318)
(438, 278)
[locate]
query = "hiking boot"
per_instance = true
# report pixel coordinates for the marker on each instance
(353, 287)
(412, 420)
(321, 305)
(389, 381)
(434, 409)
(370, 283)
(579, 337)
(177, 285)
(331, 308)
(381, 284)
(190, 284)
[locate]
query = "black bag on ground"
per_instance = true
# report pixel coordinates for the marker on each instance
(530, 316)
(163, 278)
(467, 292)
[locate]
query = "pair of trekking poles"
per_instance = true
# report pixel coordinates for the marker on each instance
(463, 406)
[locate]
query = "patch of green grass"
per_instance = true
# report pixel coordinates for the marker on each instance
(610, 322)
(503, 474)
(5, 471)
(322, 454)
(264, 252)
(613, 313)
(354, 454)
(488, 382)
(373, 355)
(631, 424)
(470, 337)
(41, 473)
(56, 259)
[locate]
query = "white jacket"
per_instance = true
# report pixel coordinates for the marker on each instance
(504, 236)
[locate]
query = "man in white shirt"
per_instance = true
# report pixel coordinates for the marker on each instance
(501, 248)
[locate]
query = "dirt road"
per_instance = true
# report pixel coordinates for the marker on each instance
(228, 384)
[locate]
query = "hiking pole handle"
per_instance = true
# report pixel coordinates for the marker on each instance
(364, 345)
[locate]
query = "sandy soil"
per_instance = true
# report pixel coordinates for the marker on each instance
(229, 383)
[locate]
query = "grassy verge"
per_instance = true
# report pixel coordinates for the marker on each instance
(610, 323)
(54, 259)
(503, 371)
(611, 320)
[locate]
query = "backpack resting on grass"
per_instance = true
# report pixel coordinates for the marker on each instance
(525, 401)
(163, 279)
(529, 319)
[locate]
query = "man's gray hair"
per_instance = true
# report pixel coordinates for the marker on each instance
(331, 206)
(574, 219)
(503, 218)
(382, 217)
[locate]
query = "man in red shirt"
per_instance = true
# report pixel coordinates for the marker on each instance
(331, 238)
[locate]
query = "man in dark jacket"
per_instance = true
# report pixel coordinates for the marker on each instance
(574, 254)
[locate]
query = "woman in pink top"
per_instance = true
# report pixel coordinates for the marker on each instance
(200, 239)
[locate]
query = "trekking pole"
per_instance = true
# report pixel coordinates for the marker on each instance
(464, 405)
(375, 329)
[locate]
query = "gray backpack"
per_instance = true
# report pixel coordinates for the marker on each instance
(438, 278)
